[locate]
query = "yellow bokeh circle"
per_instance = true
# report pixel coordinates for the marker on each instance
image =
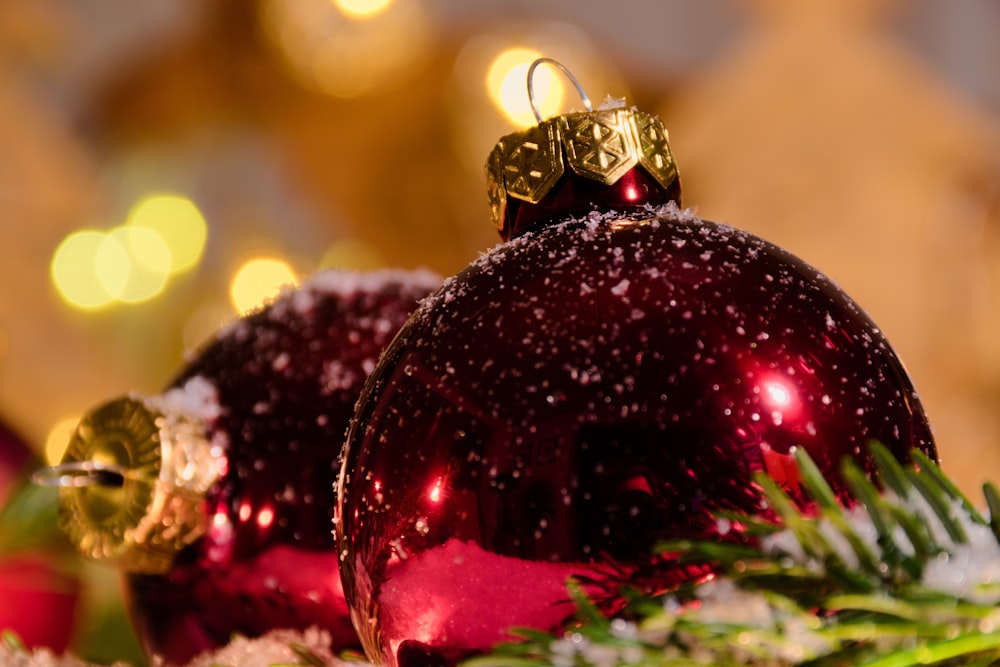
(74, 271)
(362, 9)
(164, 235)
(179, 223)
(147, 259)
(259, 280)
(507, 85)
(58, 438)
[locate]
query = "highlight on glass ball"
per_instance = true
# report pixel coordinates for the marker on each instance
(611, 376)
(215, 498)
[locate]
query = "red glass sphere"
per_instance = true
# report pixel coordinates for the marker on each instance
(579, 394)
(285, 380)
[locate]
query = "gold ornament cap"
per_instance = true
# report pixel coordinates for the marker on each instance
(572, 162)
(132, 485)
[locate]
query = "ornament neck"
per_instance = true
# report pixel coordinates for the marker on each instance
(610, 158)
(132, 484)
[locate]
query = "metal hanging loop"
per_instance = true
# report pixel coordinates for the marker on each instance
(79, 474)
(564, 70)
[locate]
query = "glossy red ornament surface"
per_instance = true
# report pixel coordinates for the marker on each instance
(39, 597)
(286, 379)
(577, 195)
(579, 394)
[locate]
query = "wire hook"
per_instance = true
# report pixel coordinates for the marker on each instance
(78, 474)
(569, 75)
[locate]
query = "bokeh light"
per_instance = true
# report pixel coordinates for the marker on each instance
(506, 83)
(330, 49)
(74, 271)
(146, 260)
(146, 247)
(362, 9)
(164, 235)
(58, 438)
(258, 281)
(352, 254)
(488, 90)
(112, 265)
(180, 224)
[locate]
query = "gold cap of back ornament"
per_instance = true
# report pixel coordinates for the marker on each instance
(132, 484)
(600, 145)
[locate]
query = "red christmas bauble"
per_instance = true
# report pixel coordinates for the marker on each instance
(39, 596)
(245, 442)
(585, 390)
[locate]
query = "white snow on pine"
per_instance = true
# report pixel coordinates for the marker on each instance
(969, 570)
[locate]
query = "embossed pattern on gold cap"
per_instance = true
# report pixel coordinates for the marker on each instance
(601, 145)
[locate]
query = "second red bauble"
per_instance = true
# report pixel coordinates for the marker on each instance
(215, 497)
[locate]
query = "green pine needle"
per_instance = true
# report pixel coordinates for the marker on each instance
(992, 495)
(833, 587)
(932, 653)
(934, 474)
(890, 473)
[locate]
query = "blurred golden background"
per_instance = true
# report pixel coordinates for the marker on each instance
(164, 164)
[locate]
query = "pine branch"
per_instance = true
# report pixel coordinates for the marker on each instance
(890, 582)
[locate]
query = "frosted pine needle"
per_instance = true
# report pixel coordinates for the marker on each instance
(908, 576)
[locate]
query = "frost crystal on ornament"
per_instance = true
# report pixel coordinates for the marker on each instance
(612, 376)
(585, 391)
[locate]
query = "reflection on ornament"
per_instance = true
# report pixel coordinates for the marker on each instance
(609, 377)
(215, 497)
